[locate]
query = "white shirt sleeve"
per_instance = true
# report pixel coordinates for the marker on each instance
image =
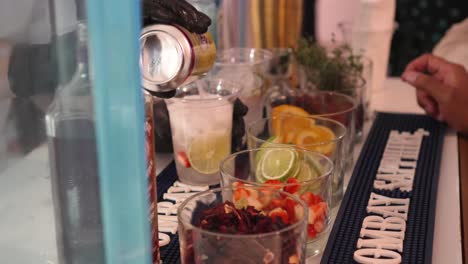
(454, 45)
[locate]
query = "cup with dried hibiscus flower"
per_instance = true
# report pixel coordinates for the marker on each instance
(303, 173)
(220, 226)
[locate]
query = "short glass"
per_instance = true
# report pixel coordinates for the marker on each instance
(201, 122)
(249, 66)
(288, 130)
(238, 243)
(305, 174)
(332, 105)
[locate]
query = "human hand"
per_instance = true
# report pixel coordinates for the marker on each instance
(441, 89)
(175, 12)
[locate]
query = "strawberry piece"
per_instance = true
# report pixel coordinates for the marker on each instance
(240, 193)
(290, 207)
(319, 226)
(319, 210)
(278, 203)
(308, 198)
(237, 184)
(183, 159)
(318, 199)
(311, 233)
(274, 184)
(281, 213)
(293, 186)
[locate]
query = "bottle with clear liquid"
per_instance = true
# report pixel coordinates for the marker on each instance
(74, 168)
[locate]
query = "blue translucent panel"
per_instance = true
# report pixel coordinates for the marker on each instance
(114, 27)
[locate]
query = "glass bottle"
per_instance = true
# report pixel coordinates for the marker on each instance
(70, 129)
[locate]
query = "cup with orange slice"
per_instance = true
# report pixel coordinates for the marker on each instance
(303, 131)
(333, 105)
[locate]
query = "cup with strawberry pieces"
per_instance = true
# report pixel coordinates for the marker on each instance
(305, 174)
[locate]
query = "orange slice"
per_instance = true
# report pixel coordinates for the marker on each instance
(287, 120)
(316, 138)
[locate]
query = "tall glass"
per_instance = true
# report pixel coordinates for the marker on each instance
(241, 244)
(249, 66)
(305, 174)
(322, 135)
(201, 122)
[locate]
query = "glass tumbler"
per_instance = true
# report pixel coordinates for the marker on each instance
(302, 173)
(249, 66)
(332, 105)
(201, 117)
(317, 134)
(234, 225)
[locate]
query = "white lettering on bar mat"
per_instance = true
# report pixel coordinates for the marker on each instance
(382, 233)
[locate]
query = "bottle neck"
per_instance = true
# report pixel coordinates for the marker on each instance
(82, 53)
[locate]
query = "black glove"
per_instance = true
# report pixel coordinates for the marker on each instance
(175, 12)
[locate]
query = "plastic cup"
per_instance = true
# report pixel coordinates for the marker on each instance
(201, 124)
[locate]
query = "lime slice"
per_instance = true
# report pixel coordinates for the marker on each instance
(310, 169)
(277, 164)
(314, 165)
(207, 151)
(258, 173)
(306, 173)
(269, 143)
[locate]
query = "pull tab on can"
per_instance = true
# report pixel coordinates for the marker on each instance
(171, 56)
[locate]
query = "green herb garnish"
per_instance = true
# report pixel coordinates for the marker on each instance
(339, 70)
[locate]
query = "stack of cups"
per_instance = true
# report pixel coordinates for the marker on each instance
(372, 34)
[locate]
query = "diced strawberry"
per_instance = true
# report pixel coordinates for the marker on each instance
(183, 159)
(240, 193)
(312, 216)
(255, 203)
(318, 199)
(311, 233)
(237, 184)
(298, 212)
(319, 226)
(319, 209)
(265, 196)
(252, 192)
(278, 203)
(293, 185)
(276, 184)
(290, 207)
(308, 198)
(279, 212)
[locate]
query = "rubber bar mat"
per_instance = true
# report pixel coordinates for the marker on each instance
(410, 239)
(171, 252)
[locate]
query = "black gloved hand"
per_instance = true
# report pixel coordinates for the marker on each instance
(175, 12)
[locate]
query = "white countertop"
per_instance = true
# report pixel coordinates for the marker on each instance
(26, 210)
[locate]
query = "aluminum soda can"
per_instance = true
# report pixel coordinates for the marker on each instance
(171, 56)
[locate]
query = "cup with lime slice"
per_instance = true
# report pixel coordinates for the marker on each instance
(201, 118)
(292, 128)
(303, 173)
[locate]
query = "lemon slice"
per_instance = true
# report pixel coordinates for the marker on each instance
(277, 164)
(207, 151)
